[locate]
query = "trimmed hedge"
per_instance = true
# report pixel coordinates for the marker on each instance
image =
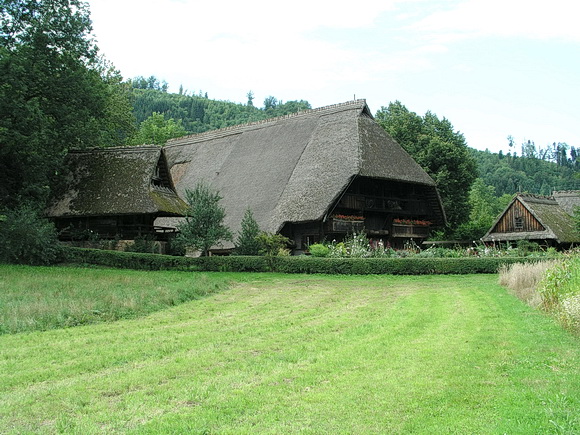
(301, 264)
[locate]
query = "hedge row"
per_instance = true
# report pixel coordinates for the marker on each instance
(301, 264)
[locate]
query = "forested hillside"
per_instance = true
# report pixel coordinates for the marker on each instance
(509, 174)
(198, 113)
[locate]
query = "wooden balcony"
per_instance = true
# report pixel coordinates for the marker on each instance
(335, 225)
(410, 231)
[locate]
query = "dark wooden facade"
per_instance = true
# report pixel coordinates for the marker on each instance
(128, 227)
(391, 211)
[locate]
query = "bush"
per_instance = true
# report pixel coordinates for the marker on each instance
(27, 238)
(146, 244)
(525, 247)
(319, 250)
(554, 286)
(271, 245)
(523, 279)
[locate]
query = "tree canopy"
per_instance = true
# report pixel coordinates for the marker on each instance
(440, 150)
(157, 130)
(56, 94)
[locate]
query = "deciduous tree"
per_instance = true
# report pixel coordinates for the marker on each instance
(440, 150)
(56, 94)
(158, 130)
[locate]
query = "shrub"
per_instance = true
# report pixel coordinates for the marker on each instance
(27, 238)
(319, 250)
(570, 312)
(525, 247)
(553, 285)
(289, 264)
(271, 245)
(145, 244)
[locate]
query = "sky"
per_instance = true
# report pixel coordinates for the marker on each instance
(493, 68)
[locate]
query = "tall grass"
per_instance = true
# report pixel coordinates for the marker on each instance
(523, 279)
(553, 286)
(41, 298)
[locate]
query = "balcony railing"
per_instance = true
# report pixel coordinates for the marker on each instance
(335, 225)
(410, 231)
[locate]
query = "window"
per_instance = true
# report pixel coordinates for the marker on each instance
(519, 223)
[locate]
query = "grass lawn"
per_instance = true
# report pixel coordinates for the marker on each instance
(41, 298)
(294, 353)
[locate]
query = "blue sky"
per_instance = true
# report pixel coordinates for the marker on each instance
(492, 67)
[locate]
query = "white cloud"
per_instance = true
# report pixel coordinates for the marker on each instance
(536, 19)
(324, 51)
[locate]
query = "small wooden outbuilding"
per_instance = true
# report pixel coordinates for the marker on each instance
(116, 193)
(543, 219)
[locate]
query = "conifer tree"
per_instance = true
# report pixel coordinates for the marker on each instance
(247, 242)
(203, 226)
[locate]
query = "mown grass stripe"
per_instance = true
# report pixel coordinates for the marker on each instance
(287, 353)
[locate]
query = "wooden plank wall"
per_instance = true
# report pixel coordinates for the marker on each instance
(507, 222)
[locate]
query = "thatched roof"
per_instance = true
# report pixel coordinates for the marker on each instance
(547, 210)
(291, 168)
(567, 199)
(117, 181)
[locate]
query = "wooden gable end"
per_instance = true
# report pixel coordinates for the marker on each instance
(517, 218)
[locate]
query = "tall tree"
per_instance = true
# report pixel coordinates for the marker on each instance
(440, 150)
(485, 208)
(56, 94)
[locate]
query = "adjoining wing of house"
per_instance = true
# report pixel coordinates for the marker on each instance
(115, 192)
(305, 174)
(538, 218)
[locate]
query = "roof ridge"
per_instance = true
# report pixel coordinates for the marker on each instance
(118, 148)
(565, 191)
(535, 195)
(241, 127)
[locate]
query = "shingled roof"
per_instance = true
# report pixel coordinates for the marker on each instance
(117, 181)
(554, 213)
(292, 168)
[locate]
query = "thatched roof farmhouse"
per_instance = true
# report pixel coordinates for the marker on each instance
(316, 174)
(544, 219)
(115, 192)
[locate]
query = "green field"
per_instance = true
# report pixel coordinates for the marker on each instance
(294, 353)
